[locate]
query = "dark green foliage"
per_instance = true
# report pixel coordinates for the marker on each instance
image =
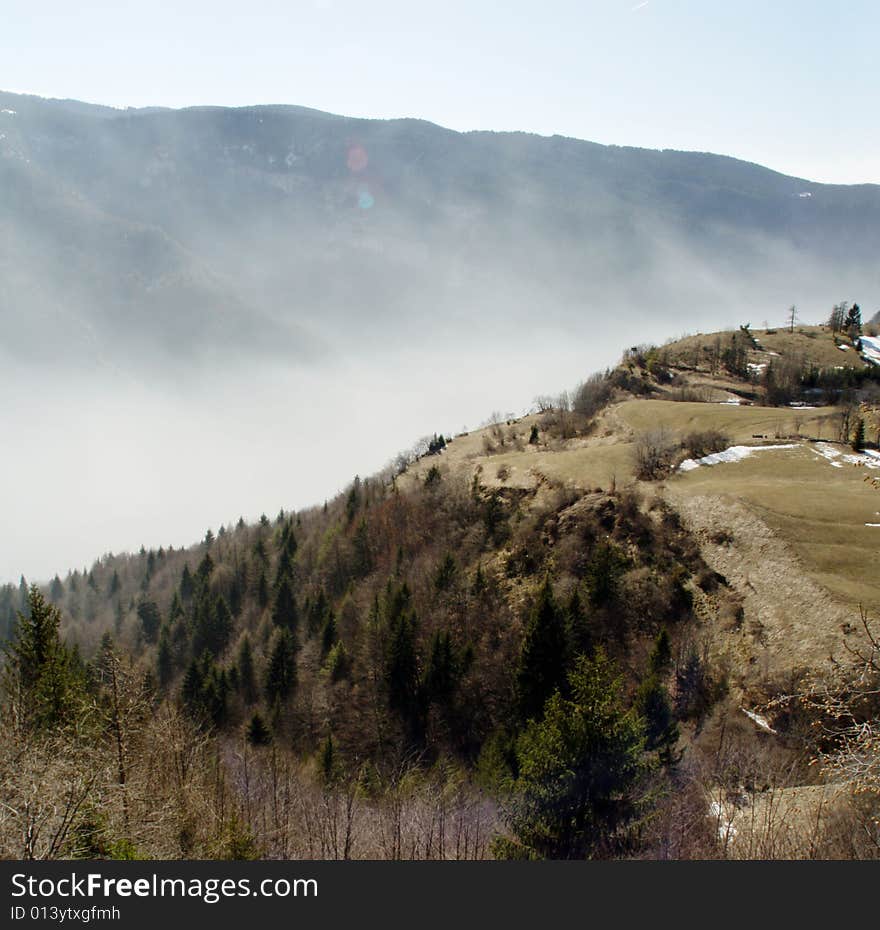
(329, 634)
(281, 676)
(447, 572)
(328, 762)
(605, 568)
(247, 679)
(401, 657)
(115, 584)
(262, 591)
(353, 501)
(41, 678)
(495, 517)
(661, 731)
(284, 610)
(56, 590)
(858, 441)
(660, 659)
(212, 624)
(150, 618)
(534, 436)
(258, 732)
(165, 659)
(204, 571)
(362, 551)
(580, 637)
(433, 477)
(542, 664)
(436, 444)
(693, 688)
(187, 585)
(580, 771)
(443, 670)
(205, 689)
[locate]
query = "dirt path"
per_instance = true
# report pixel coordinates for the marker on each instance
(789, 621)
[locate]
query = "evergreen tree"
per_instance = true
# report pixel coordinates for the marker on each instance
(660, 659)
(661, 731)
(281, 676)
(580, 638)
(187, 585)
(164, 659)
(150, 618)
(580, 771)
(56, 590)
(258, 732)
(858, 441)
(329, 634)
(40, 677)
(542, 662)
(247, 679)
(603, 574)
(402, 666)
(284, 610)
(263, 591)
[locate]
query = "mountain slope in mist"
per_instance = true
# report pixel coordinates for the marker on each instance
(288, 231)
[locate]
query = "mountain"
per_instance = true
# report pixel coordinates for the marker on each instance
(157, 236)
(624, 625)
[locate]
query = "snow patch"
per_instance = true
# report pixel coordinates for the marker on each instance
(759, 720)
(733, 454)
(9, 112)
(838, 459)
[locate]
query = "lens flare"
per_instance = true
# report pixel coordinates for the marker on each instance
(357, 159)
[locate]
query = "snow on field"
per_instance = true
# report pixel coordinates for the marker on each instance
(733, 454)
(8, 112)
(872, 524)
(838, 459)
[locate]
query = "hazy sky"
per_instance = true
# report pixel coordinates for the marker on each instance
(792, 85)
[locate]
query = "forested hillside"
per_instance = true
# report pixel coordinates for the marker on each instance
(512, 643)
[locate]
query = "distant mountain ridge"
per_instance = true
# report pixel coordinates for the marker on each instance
(289, 231)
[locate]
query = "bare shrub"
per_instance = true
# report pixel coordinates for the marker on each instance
(704, 442)
(655, 452)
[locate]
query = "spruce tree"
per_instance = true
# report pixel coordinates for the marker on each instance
(281, 676)
(258, 732)
(284, 610)
(542, 662)
(580, 771)
(40, 678)
(247, 679)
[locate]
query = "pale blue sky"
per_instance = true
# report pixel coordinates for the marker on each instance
(792, 85)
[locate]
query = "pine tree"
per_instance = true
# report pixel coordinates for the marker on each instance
(284, 610)
(329, 634)
(542, 662)
(858, 442)
(661, 731)
(281, 676)
(164, 659)
(581, 768)
(150, 618)
(402, 665)
(39, 677)
(660, 659)
(247, 679)
(258, 732)
(187, 585)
